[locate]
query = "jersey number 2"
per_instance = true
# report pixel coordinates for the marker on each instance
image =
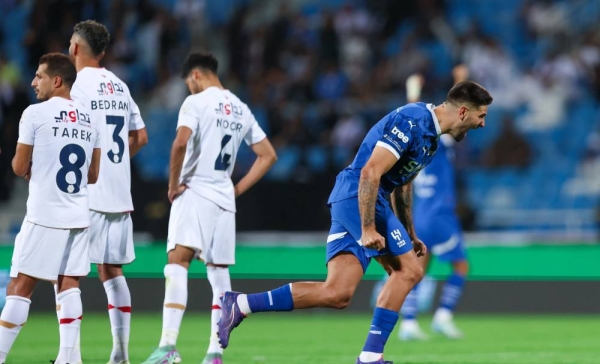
(70, 165)
(118, 122)
(222, 162)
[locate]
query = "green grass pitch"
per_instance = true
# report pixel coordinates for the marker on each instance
(332, 338)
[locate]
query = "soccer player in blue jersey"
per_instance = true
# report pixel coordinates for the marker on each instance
(437, 225)
(363, 223)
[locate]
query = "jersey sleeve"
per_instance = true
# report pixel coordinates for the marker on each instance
(188, 116)
(27, 127)
(397, 135)
(135, 118)
(97, 143)
(255, 134)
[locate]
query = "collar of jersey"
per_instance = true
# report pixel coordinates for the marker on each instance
(435, 119)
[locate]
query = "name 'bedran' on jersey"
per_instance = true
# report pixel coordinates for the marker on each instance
(115, 113)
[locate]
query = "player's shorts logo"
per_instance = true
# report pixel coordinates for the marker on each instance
(397, 235)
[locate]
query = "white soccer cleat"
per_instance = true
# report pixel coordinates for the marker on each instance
(443, 323)
(410, 330)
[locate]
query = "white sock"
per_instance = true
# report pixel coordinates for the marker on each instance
(119, 311)
(443, 314)
(368, 357)
(71, 313)
(76, 354)
(243, 305)
(220, 282)
(176, 292)
(13, 317)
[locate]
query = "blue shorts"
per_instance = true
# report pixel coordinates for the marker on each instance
(345, 232)
(443, 236)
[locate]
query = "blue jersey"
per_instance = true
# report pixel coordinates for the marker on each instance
(434, 187)
(410, 133)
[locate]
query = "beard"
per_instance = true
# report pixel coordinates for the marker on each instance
(460, 136)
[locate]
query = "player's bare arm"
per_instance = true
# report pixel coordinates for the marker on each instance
(137, 139)
(94, 170)
(265, 158)
(176, 163)
(22, 159)
(402, 205)
(381, 161)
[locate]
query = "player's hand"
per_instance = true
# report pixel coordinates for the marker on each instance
(371, 239)
(419, 247)
(27, 175)
(174, 192)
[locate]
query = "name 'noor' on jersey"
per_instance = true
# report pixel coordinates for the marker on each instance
(410, 133)
(219, 122)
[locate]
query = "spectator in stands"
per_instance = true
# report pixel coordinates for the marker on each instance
(509, 149)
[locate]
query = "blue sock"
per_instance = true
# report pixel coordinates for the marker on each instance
(382, 325)
(409, 309)
(279, 299)
(452, 291)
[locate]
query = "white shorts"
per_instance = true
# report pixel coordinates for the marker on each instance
(203, 226)
(45, 253)
(111, 238)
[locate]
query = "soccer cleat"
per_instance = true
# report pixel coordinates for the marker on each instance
(231, 317)
(380, 361)
(164, 355)
(410, 330)
(213, 358)
(446, 327)
(120, 362)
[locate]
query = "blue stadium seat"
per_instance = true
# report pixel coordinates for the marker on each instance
(317, 158)
(288, 160)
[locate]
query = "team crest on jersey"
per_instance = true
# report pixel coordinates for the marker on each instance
(73, 116)
(110, 88)
(228, 109)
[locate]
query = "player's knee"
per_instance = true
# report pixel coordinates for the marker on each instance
(339, 298)
(19, 287)
(414, 273)
(109, 271)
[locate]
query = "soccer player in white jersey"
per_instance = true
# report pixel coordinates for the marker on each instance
(212, 124)
(58, 151)
(123, 133)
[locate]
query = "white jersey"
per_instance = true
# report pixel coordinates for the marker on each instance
(219, 122)
(63, 141)
(114, 113)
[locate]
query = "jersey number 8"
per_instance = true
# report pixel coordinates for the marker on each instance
(72, 158)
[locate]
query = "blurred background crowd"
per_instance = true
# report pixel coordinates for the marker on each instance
(318, 74)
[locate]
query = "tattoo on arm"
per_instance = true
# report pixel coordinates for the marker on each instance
(367, 198)
(403, 202)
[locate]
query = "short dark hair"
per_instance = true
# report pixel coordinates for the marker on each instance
(205, 61)
(95, 34)
(58, 64)
(469, 92)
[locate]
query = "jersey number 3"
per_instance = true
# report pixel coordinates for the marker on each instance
(222, 162)
(118, 122)
(72, 158)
